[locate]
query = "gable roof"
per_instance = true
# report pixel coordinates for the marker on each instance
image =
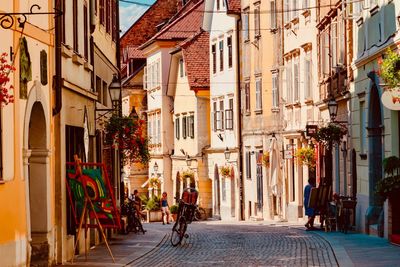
(182, 27)
(196, 55)
(233, 6)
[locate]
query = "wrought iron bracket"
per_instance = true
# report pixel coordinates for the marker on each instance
(7, 20)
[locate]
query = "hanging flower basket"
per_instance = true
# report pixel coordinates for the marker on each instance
(225, 171)
(128, 135)
(306, 156)
(187, 175)
(330, 134)
(5, 69)
(266, 159)
(390, 70)
(154, 182)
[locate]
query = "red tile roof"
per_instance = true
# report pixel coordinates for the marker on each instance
(233, 6)
(183, 26)
(132, 52)
(196, 55)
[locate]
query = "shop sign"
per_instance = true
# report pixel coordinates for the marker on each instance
(391, 99)
(288, 154)
(311, 130)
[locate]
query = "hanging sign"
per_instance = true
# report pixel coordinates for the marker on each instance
(288, 154)
(391, 99)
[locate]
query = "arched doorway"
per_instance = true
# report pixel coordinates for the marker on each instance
(217, 194)
(375, 142)
(38, 185)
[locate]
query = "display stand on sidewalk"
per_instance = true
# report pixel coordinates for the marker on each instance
(91, 198)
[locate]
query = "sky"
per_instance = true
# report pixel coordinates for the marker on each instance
(130, 12)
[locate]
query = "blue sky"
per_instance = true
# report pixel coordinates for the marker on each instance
(130, 12)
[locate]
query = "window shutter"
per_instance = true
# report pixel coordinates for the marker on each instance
(184, 127)
(191, 126)
(296, 81)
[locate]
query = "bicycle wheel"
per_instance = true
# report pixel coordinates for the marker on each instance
(200, 214)
(139, 225)
(178, 231)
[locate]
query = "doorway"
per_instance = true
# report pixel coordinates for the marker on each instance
(217, 194)
(38, 185)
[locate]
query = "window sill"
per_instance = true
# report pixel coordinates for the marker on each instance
(374, 9)
(297, 104)
(78, 59)
(258, 112)
(306, 13)
(289, 105)
(309, 101)
(88, 66)
(295, 21)
(287, 25)
(360, 21)
(67, 51)
(247, 113)
(363, 156)
(275, 109)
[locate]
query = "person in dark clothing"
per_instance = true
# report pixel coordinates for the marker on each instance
(310, 212)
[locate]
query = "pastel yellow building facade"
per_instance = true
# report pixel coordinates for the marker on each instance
(26, 193)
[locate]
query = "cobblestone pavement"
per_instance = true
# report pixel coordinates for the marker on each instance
(241, 245)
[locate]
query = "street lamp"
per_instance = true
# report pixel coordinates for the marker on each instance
(333, 108)
(115, 90)
(155, 167)
(188, 160)
(227, 154)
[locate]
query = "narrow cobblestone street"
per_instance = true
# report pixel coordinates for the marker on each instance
(242, 245)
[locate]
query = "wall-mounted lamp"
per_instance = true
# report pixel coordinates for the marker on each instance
(332, 107)
(227, 154)
(155, 167)
(115, 94)
(188, 161)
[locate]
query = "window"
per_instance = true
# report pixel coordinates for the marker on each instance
(101, 11)
(295, 9)
(334, 40)
(296, 81)
(191, 126)
(229, 42)
(324, 52)
(105, 94)
(158, 128)
(75, 24)
(307, 77)
(114, 21)
(214, 58)
(108, 16)
(184, 132)
(85, 32)
(99, 89)
(273, 15)
(247, 96)
(221, 55)
(181, 71)
(150, 129)
(221, 111)
(214, 115)
(63, 21)
(229, 116)
(306, 4)
(289, 92)
(246, 35)
(248, 164)
(257, 32)
(258, 94)
(218, 4)
(275, 90)
(286, 10)
(342, 42)
(177, 128)
(363, 134)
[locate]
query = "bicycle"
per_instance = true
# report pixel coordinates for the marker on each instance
(199, 214)
(346, 208)
(134, 223)
(185, 216)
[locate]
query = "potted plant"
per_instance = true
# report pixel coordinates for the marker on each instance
(152, 207)
(225, 171)
(5, 70)
(127, 134)
(306, 156)
(188, 174)
(390, 69)
(154, 182)
(389, 187)
(266, 159)
(332, 133)
(174, 211)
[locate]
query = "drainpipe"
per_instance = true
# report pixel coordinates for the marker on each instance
(57, 78)
(239, 101)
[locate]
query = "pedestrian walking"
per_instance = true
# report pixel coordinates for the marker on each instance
(164, 207)
(310, 212)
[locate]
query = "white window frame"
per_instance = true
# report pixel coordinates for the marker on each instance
(246, 18)
(308, 76)
(275, 90)
(289, 85)
(296, 80)
(258, 94)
